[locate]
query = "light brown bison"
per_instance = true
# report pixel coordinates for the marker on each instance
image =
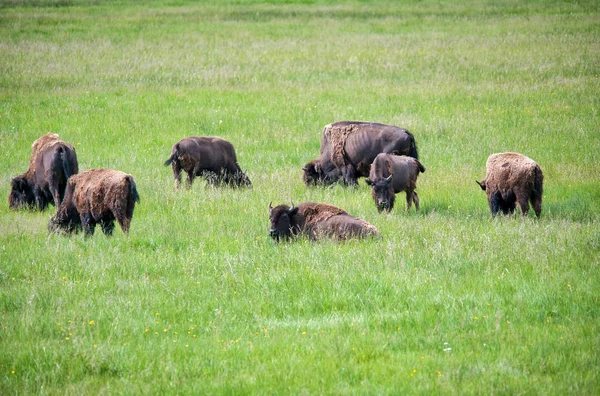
(317, 220)
(52, 162)
(208, 156)
(349, 147)
(512, 178)
(391, 174)
(97, 196)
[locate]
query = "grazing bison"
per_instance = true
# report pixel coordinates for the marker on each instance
(317, 220)
(208, 156)
(513, 179)
(349, 147)
(52, 162)
(391, 174)
(97, 196)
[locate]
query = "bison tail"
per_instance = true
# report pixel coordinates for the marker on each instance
(174, 154)
(538, 180)
(65, 163)
(421, 167)
(413, 152)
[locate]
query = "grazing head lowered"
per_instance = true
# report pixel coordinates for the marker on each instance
(349, 147)
(97, 196)
(512, 179)
(51, 164)
(391, 174)
(210, 157)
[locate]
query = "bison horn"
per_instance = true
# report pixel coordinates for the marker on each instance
(389, 178)
(270, 207)
(292, 205)
(482, 185)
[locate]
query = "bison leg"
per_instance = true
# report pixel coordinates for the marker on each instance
(88, 224)
(416, 200)
(108, 225)
(349, 174)
(536, 202)
(190, 179)
(176, 173)
(495, 201)
(523, 205)
(409, 199)
(40, 198)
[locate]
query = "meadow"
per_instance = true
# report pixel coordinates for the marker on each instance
(198, 299)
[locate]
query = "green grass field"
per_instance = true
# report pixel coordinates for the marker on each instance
(199, 300)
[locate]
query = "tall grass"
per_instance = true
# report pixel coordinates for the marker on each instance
(199, 299)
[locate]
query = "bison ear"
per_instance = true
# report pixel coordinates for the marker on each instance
(481, 184)
(369, 182)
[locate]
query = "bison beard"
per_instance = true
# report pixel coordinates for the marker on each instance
(316, 220)
(97, 196)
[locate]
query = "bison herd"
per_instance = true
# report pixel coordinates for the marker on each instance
(387, 155)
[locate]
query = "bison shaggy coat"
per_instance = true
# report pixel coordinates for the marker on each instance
(51, 164)
(391, 174)
(349, 147)
(97, 196)
(513, 179)
(209, 156)
(317, 221)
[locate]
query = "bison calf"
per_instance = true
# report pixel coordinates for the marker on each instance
(349, 147)
(51, 164)
(391, 174)
(513, 179)
(317, 220)
(97, 196)
(208, 156)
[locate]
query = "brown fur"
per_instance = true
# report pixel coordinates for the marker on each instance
(513, 179)
(97, 196)
(404, 172)
(317, 221)
(349, 147)
(51, 163)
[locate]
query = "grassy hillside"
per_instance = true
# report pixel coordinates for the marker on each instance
(199, 299)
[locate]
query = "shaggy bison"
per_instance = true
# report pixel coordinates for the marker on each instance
(208, 156)
(97, 196)
(349, 147)
(513, 179)
(52, 162)
(317, 220)
(391, 174)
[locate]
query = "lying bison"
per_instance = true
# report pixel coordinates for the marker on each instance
(513, 179)
(208, 156)
(52, 162)
(349, 147)
(391, 174)
(97, 196)
(317, 220)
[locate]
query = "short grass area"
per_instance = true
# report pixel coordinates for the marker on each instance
(199, 300)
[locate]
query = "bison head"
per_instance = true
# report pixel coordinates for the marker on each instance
(282, 225)
(21, 194)
(312, 173)
(241, 179)
(383, 193)
(66, 220)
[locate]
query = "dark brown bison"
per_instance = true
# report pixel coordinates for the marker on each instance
(97, 196)
(52, 162)
(349, 147)
(317, 220)
(210, 157)
(391, 174)
(513, 179)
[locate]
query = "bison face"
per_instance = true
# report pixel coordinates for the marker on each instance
(312, 174)
(383, 193)
(281, 221)
(21, 194)
(66, 221)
